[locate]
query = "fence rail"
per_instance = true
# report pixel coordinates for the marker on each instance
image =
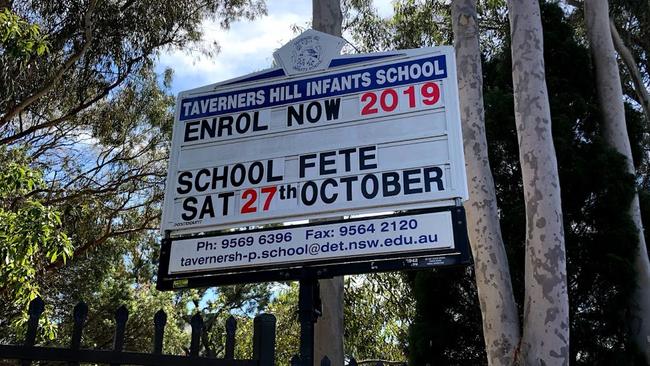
(263, 343)
(325, 361)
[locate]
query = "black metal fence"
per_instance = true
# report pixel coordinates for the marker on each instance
(263, 343)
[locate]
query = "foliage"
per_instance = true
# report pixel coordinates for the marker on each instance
(377, 310)
(416, 23)
(376, 318)
(370, 33)
(284, 306)
(91, 115)
(445, 330)
(243, 301)
(30, 232)
(123, 273)
(19, 39)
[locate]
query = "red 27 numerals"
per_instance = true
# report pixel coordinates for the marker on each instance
(388, 99)
(250, 198)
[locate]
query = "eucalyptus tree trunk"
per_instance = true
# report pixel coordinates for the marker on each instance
(545, 338)
(498, 308)
(610, 96)
(327, 18)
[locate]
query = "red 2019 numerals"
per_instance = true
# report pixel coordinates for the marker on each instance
(250, 198)
(389, 98)
(369, 108)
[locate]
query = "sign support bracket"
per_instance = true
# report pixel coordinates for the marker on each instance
(309, 309)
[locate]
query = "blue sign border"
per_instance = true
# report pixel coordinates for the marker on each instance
(301, 87)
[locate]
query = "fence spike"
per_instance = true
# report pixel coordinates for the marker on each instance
(231, 329)
(325, 361)
(264, 339)
(353, 361)
(36, 308)
(79, 314)
(197, 327)
(121, 316)
(159, 322)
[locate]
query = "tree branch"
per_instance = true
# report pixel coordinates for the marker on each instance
(88, 36)
(635, 74)
(72, 112)
(102, 239)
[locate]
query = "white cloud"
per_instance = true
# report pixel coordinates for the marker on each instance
(246, 47)
(384, 7)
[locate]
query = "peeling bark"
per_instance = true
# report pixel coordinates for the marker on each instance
(328, 18)
(498, 308)
(610, 95)
(545, 338)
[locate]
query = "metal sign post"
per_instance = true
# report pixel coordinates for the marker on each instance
(309, 310)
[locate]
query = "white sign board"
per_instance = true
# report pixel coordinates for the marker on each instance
(348, 240)
(370, 132)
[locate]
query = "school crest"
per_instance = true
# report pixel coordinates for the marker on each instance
(310, 51)
(306, 54)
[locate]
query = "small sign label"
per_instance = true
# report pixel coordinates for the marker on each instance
(347, 241)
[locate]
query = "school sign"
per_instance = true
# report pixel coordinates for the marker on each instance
(322, 135)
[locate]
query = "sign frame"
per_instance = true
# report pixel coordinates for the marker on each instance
(343, 63)
(460, 255)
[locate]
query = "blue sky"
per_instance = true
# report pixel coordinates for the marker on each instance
(246, 47)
